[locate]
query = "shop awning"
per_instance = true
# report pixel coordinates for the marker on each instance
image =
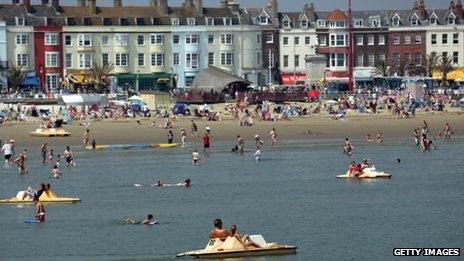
(30, 81)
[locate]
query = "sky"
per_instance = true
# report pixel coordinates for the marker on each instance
(291, 5)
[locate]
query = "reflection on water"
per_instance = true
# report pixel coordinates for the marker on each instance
(292, 196)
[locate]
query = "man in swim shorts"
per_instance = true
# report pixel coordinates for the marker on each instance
(218, 232)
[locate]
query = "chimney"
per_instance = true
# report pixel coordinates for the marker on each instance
(451, 7)
(163, 4)
(15, 2)
(199, 6)
(27, 5)
(415, 6)
(224, 3)
(153, 3)
(458, 9)
(93, 6)
(117, 3)
(234, 7)
(44, 2)
(80, 2)
(422, 11)
(56, 4)
(311, 12)
(274, 9)
(188, 3)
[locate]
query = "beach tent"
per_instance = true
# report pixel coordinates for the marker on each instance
(218, 80)
(84, 99)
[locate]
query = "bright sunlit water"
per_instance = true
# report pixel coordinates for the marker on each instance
(291, 197)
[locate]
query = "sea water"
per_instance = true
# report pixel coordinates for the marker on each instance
(291, 196)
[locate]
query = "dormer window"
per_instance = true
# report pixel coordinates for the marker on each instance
(286, 23)
(337, 24)
(156, 21)
(320, 23)
(415, 20)
(396, 21)
(209, 21)
(304, 23)
(451, 20)
(227, 21)
(263, 19)
(139, 21)
(376, 23)
(70, 21)
(86, 21)
(123, 22)
(433, 20)
(191, 21)
(358, 23)
(175, 21)
(107, 21)
(20, 21)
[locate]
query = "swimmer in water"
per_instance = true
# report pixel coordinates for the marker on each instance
(55, 172)
(195, 158)
(379, 138)
(368, 138)
(51, 153)
(185, 184)
(348, 149)
(148, 221)
(257, 154)
(183, 138)
(40, 210)
(21, 162)
(273, 134)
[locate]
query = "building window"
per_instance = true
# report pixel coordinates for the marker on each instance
(84, 40)
(22, 59)
(358, 23)
(175, 59)
(258, 38)
(156, 39)
(444, 38)
(370, 39)
(297, 61)
(85, 60)
(67, 40)
(269, 38)
(433, 39)
(304, 23)
(296, 40)
(121, 59)
(415, 21)
(337, 40)
(227, 38)
(359, 39)
(451, 20)
(285, 40)
(157, 59)
(396, 58)
(455, 58)
(376, 23)
(52, 80)
(433, 20)
(396, 21)
(139, 21)
(285, 61)
(418, 39)
(382, 57)
(51, 38)
(105, 40)
(418, 59)
(263, 20)
(259, 58)
(337, 24)
(175, 39)
(455, 38)
(191, 21)
(20, 21)
(22, 39)
(210, 21)
(359, 60)
(407, 39)
(192, 60)
(396, 40)
(227, 21)
(286, 23)
(381, 39)
(140, 40)
(211, 59)
(307, 40)
(407, 58)
(141, 59)
(68, 60)
(191, 39)
(320, 23)
(120, 39)
(444, 54)
(370, 60)
(227, 59)
(175, 21)
(338, 60)
(322, 40)
(51, 59)
(105, 58)
(210, 39)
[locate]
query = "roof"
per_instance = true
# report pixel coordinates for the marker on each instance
(337, 15)
(216, 79)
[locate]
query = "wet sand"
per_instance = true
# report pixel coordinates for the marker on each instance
(316, 127)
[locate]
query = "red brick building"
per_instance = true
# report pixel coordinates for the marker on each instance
(407, 47)
(48, 55)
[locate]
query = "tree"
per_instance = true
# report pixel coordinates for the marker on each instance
(445, 66)
(382, 68)
(15, 76)
(431, 64)
(99, 73)
(401, 67)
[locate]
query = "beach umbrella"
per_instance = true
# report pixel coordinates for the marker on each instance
(332, 102)
(135, 98)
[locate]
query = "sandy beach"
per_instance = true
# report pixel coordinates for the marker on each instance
(128, 131)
